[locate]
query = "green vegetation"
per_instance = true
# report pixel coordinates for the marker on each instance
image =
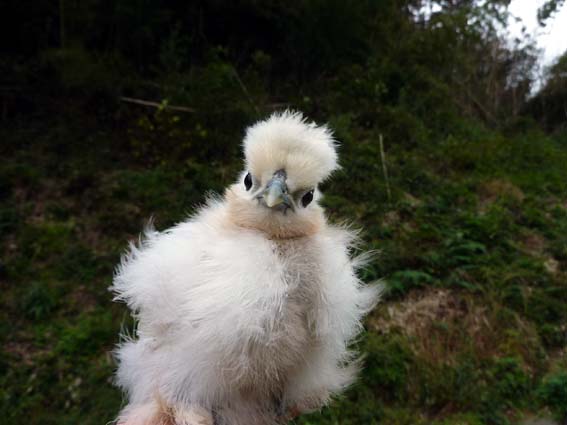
(471, 224)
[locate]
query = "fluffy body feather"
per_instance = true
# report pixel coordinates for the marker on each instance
(244, 313)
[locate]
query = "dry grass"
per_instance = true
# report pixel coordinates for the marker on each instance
(496, 189)
(443, 325)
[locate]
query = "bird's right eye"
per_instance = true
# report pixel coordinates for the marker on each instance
(307, 198)
(248, 181)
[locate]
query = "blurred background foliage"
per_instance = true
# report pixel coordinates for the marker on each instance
(115, 111)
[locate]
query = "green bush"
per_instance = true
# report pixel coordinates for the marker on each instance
(553, 393)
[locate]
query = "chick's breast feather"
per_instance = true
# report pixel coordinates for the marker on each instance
(238, 325)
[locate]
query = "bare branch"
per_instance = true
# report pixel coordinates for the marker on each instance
(385, 169)
(156, 104)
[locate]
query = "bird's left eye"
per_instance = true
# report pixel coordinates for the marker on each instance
(248, 181)
(307, 198)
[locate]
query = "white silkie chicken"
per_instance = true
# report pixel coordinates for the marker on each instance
(246, 310)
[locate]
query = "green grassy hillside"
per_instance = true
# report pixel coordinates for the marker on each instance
(472, 246)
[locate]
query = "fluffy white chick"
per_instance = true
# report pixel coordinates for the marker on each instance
(246, 310)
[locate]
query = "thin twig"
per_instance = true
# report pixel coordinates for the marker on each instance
(10, 89)
(245, 90)
(384, 169)
(487, 114)
(278, 105)
(62, 33)
(156, 104)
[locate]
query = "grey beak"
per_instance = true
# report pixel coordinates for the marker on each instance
(276, 190)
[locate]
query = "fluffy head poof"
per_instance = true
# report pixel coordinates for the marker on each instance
(286, 158)
(288, 141)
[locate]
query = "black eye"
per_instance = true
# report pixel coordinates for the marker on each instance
(307, 198)
(248, 181)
